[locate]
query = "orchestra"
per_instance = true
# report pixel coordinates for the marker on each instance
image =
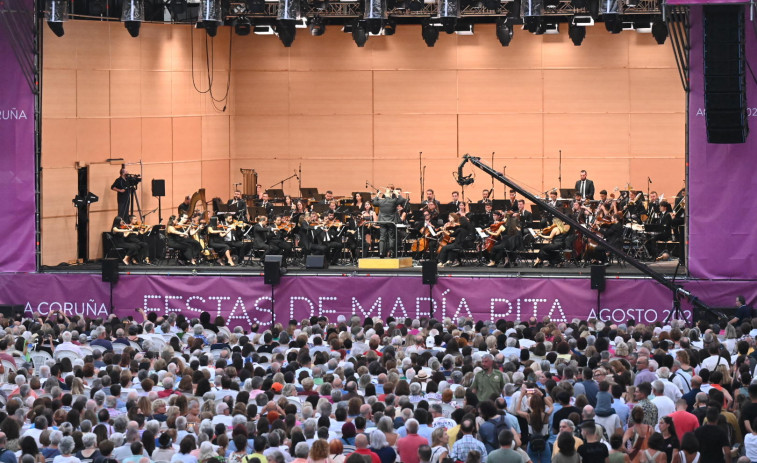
(497, 232)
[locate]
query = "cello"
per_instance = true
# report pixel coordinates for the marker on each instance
(447, 237)
(491, 240)
(421, 244)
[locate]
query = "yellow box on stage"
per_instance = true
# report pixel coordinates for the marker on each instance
(376, 263)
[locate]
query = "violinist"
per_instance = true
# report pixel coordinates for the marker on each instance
(277, 242)
(197, 233)
(433, 209)
(510, 241)
(120, 231)
(331, 239)
(554, 235)
(177, 236)
(137, 238)
(184, 206)
(234, 240)
(606, 206)
(261, 233)
(612, 233)
(311, 235)
(494, 244)
(455, 234)
(216, 240)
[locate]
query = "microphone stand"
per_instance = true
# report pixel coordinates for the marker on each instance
(422, 170)
(282, 182)
(491, 190)
(649, 182)
(299, 178)
(559, 169)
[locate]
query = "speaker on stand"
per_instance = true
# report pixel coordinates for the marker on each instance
(598, 283)
(429, 278)
(110, 276)
(272, 276)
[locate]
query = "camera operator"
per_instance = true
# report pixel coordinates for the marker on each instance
(121, 186)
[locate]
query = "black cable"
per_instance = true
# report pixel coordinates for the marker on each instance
(228, 82)
(192, 50)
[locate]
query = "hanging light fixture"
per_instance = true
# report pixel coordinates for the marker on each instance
(374, 15)
(449, 11)
(132, 15)
(56, 13)
(210, 16)
(285, 25)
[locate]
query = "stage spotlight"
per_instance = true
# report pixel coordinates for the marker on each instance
(429, 32)
(374, 15)
(504, 31)
(609, 7)
(449, 11)
(286, 31)
(317, 26)
(242, 26)
(613, 23)
(210, 16)
(132, 15)
(390, 27)
(659, 31)
(56, 13)
(359, 33)
(576, 34)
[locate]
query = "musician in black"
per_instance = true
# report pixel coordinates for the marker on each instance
(332, 237)
(430, 198)
(613, 234)
(585, 187)
(217, 242)
(427, 229)
(552, 251)
(653, 208)
(666, 220)
(278, 243)
(485, 197)
(455, 200)
(120, 230)
(236, 238)
(137, 238)
(458, 233)
(121, 186)
(238, 206)
(387, 204)
(266, 204)
(177, 237)
(513, 201)
(184, 206)
(487, 218)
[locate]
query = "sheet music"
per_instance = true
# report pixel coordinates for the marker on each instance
(431, 230)
(532, 231)
(481, 232)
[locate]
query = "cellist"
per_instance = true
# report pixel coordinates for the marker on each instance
(494, 244)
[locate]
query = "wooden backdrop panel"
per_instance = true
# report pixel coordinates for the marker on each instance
(406, 50)
(569, 91)
(483, 51)
(65, 182)
(59, 143)
(512, 134)
(148, 202)
(125, 93)
(126, 137)
(330, 92)
(656, 90)
(597, 50)
(500, 91)
(667, 174)
(58, 240)
(92, 140)
(215, 137)
(259, 136)
(260, 92)
(186, 138)
(125, 50)
(657, 135)
(60, 93)
(403, 136)
(586, 135)
(333, 51)
(187, 179)
(157, 139)
(92, 93)
(156, 93)
(98, 223)
(185, 100)
(215, 179)
(415, 92)
(331, 137)
(92, 44)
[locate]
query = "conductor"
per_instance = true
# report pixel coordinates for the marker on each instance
(387, 203)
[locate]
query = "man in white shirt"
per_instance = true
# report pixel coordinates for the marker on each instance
(671, 390)
(664, 405)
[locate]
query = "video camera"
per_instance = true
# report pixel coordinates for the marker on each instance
(132, 180)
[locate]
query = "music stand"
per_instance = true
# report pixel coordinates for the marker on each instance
(280, 210)
(501, 204)
(256, 211)
(413, 207)
(567, 193)
(446, 209)
(476, 208)
(275, 193)
(309, 192)
(320, 208)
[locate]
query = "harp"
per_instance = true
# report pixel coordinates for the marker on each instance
(198, 205)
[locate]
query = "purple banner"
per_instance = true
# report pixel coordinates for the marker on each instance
(722, 241)
(704, 2)
(17, 174)
(245, 300)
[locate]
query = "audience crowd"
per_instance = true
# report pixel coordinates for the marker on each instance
(152, 388)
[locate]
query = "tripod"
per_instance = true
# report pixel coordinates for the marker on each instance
(134, 199)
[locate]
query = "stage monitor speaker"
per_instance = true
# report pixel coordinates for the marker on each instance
(11, 311)
(313, 261)
(158, 187)
(725, 74)
(110, 270)
(272, 270)
(429, 272)
(598, 277)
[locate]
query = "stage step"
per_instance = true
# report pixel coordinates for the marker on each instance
(376, 263)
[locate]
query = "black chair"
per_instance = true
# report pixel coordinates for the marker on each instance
(111, 247)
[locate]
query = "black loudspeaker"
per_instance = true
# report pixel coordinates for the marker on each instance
(158, 187)
(725, 74)
(11, 311)
(272, 270)
(429, 272)
(313, 261)
(110, 270)
(598, 277)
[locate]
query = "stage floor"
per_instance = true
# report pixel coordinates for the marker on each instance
(667, 268)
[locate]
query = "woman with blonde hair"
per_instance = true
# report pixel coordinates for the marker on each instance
(556, 242)
(439, 447)
(319, 452)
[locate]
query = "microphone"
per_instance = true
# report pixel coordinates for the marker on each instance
(649, 180)
(297, 176)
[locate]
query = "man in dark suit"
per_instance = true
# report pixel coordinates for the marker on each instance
(524, 214)
(237, 205)
(387, 204)
(266, 204)
(585, 187)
